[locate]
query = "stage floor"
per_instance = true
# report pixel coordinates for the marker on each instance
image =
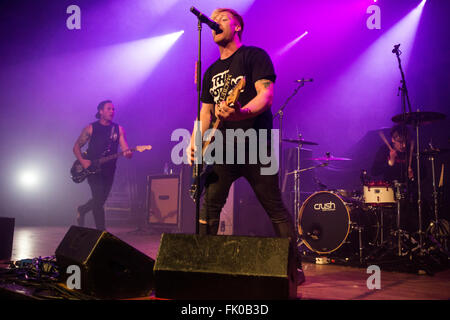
(323, 282)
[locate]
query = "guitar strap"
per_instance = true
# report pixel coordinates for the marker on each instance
(227, 85)
(111, 140)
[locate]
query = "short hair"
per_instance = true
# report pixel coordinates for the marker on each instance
(235, 15)
(100, 106)
(401, 131)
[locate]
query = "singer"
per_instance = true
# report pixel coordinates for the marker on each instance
(252, 111)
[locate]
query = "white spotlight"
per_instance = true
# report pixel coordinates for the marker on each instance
(29, 178)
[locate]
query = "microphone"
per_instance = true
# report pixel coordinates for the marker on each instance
(305, 80)
(204, 19)
(395, 50)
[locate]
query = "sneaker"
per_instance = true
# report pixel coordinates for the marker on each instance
(300, 276)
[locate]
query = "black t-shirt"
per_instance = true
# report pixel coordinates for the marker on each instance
(382, 169)
(253, 63)
(104, 142)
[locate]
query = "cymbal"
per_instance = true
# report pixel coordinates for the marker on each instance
(422, 117)
(433, 152)
(301, 142)
(330, 158)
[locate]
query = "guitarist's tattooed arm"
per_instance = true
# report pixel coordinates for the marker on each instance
(124, 144)
(263, 99)
(260, 103)
(84, 138)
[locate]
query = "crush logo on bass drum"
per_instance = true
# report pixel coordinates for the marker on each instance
(325, 207)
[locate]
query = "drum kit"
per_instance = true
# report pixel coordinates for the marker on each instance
(339, 224)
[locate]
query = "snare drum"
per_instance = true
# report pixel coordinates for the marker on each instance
(379, 193)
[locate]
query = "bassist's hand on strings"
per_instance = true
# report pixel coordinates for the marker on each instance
(226, 113)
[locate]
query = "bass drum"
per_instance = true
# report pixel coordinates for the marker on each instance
(325, 222)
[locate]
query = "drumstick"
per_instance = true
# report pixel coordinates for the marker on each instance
(441, 180)
(411, 149)
(385, 140)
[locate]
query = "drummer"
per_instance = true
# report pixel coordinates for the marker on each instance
(392, 164)
(393, 159)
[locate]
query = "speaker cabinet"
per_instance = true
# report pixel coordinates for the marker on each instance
(224, 267)
(6, 237)
(110, 268)
(163, 200)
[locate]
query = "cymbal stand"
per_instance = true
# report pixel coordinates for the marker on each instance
(435, 225)
(296, 173)
(435, 194)
(297, 186)
(419, 189)
(399, 197)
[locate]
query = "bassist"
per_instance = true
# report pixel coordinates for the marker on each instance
(104, 138)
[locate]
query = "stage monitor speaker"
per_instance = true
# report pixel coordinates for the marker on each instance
(6, 238)
(110, 268)
(224, 267)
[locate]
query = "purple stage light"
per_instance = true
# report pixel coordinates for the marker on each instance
(368, 88)
(122, 68)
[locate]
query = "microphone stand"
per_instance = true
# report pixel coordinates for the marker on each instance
(280, 136)
(198, 133)
(405, 101)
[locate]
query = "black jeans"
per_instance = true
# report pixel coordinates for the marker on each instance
(266, 189)
(101, 184)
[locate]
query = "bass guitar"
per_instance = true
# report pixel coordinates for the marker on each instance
(79, 174)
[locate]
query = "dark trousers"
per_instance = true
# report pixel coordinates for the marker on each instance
(100, 184)
(266, 189)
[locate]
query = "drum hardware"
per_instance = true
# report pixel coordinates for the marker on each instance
(416, 119)
(438, 229)
(399, 242)
(381, 226)
(301, 141)
(323, 260)
(329, 157)
(378, 193)
(359, 229)
(296, 174)
(399, 196)
(326, 222)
